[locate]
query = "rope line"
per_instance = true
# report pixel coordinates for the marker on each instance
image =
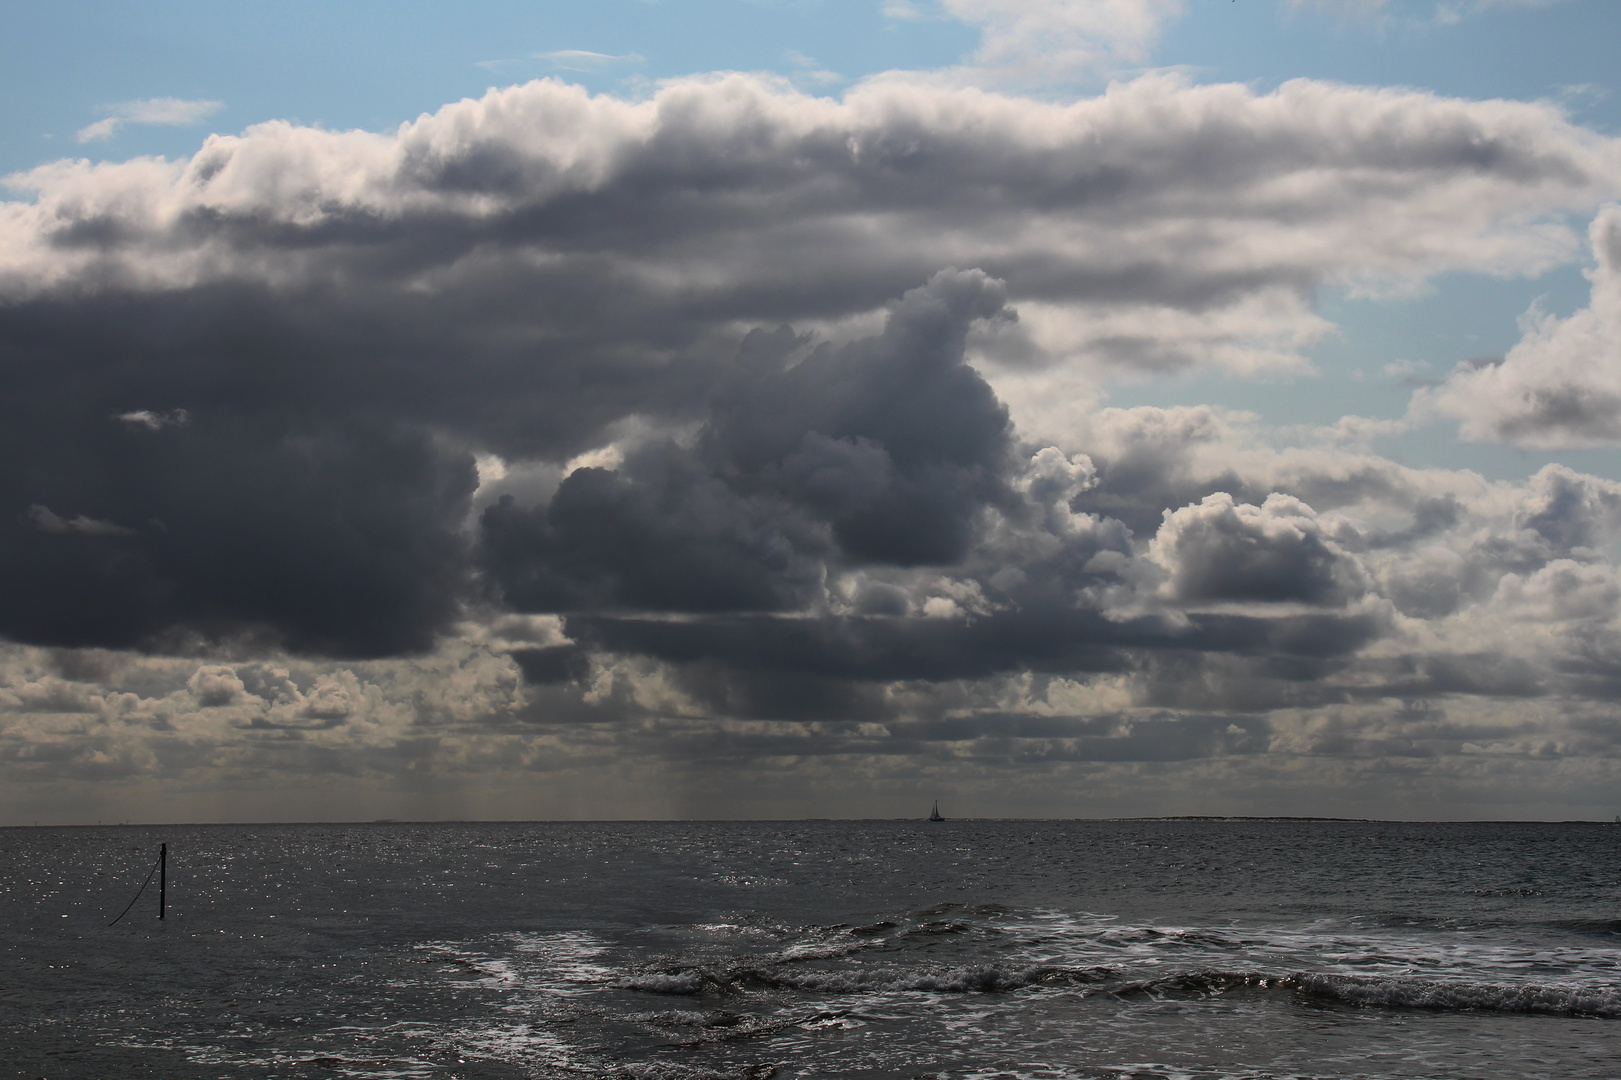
(142, 889)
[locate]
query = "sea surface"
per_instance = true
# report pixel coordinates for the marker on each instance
(1124, 950)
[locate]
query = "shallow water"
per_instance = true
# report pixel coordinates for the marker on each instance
(1125, 949)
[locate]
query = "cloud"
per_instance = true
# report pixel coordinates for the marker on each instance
(160, 112)
(338, 540)
(1343, 8)
(1042, 680)
(1563, 591)
(736, 427)
(1160, 224)
(46, 521)
(149, 420)
(1452, 11)
(1039, 40)
(885, 450)
(810, 70)
(1439, 12)
(1561, 385)
(1222, 551)
(585, 60)
(348, 321)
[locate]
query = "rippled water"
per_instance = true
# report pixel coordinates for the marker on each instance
(1124, 949)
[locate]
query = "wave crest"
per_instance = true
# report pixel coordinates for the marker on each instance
(1357, 990)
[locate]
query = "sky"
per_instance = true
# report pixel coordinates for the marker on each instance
(744, 409)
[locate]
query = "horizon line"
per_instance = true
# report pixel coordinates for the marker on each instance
(806, 820)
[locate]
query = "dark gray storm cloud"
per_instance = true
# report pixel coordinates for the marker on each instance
(885, 451)
(342, 539)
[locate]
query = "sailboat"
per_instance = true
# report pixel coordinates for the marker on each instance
(934, 815)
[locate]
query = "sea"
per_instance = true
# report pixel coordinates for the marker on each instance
(1116, 950)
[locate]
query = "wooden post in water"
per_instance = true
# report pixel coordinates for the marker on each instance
(163, 877)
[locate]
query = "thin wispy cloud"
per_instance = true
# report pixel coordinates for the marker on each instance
(903, 10)
(807, 69)
(1027, 42)
(46, 521)
(1437, 12)
(153, 420)
(584, 60)
(155, 112)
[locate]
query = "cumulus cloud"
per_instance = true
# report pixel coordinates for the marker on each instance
(1562, 591)
(1159, 226)
(161, 112)
(885, 450)
(736, 425)
(1279, 655)
(346, 321)
(1222, 551)
(1561, 385)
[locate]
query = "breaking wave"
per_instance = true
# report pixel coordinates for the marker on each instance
(981, 979)
(1369, 991)
(1477, 997)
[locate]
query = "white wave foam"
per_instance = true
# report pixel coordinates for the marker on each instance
(685, 982)
(1400, 992)
(1441, 994)
(668, 1071)
(988, 978)
(980, 979)
(1062, 938)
